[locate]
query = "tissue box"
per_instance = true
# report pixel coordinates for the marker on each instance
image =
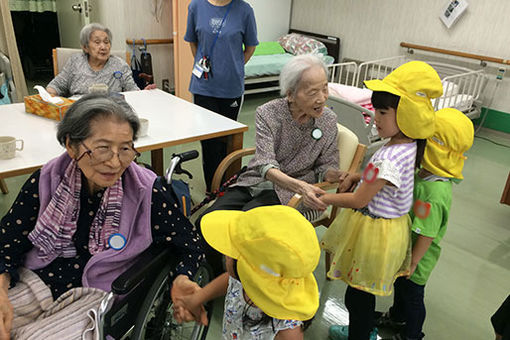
(34, 104)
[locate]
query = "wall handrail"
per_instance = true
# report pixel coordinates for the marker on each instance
(150, 41)
(456, 53)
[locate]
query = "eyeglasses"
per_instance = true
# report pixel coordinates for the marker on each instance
(102, 154)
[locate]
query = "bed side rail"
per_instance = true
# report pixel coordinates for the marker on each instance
(378, 69)
(461, 90)
(343, 73)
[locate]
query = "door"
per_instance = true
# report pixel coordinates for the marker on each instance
(72, 16)
(183, 59)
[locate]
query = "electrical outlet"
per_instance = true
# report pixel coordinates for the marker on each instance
(166, 85)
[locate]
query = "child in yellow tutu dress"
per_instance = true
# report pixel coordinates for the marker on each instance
(370, 242)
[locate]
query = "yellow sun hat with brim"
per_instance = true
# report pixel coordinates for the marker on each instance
(277, 251)
(416, 83)
(454, 135)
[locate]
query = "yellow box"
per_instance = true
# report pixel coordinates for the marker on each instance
(34, 104)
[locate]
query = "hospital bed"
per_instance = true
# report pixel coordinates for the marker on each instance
(462, 86)
(262, 71)
(462, 89)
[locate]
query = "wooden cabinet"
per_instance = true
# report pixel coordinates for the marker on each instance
(183, 59)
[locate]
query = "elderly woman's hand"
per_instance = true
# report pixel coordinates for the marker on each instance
(185, 307)
(150, 87)
(6, 315)
(348, 182)
(334, 175)
(310, 194)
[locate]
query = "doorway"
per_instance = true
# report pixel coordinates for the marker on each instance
(38, 31)
(35, 44)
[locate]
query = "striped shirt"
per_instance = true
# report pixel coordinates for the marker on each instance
(396, 165)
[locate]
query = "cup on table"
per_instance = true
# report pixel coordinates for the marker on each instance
(144, 127)
(8, 146)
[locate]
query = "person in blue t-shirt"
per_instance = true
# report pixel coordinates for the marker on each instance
(217, 31)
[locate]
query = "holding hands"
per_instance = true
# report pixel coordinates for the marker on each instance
(187, 306)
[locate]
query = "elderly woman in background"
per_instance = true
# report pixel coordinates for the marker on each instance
(55, 239)
(296, 145)
(95, 66)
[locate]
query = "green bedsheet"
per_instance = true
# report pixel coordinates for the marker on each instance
(268, 65)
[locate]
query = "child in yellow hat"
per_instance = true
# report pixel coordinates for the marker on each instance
(271, 253)
(370, 242)
(442, 164)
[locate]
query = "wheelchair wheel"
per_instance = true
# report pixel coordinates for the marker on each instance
(155, 320)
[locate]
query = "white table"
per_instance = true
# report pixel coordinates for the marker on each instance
(172, 121)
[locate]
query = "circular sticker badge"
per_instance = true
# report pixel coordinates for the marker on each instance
(316, 133)
(117, 74)
(421, 209)
(370, 173)
(117, 241)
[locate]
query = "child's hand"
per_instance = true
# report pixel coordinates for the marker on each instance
(187, 308)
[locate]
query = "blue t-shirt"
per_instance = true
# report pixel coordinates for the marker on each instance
(227, 56)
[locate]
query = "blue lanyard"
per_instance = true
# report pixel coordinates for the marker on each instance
(219, 29)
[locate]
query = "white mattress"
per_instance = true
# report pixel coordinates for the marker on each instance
(461, 102)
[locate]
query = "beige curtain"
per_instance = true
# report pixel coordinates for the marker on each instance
(8, 47)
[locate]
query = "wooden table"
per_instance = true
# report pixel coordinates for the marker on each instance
(172, 121)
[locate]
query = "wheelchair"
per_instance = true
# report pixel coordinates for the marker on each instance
(139, 305)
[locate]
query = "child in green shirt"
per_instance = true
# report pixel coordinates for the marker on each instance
(442, 164)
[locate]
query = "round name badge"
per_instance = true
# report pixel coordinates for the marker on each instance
(316, 133)
(117, 241)
(117, 74)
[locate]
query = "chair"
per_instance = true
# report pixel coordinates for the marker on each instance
(61, 54)
(351, 154)
(350, 115)
(139, 305)
(351, 157)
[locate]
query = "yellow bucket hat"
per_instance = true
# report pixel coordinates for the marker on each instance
(444, 153)
(416, 83)
(276, 250)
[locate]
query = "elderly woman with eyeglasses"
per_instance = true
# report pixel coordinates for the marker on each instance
(94, 67)
(56, 239)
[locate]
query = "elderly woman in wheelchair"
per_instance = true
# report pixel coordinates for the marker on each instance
(296, 146)
(94, 67)
(81, 221)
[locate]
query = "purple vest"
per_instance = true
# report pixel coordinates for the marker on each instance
(135, 223)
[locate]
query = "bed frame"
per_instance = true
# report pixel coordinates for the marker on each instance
(270, 83)
(468, 85)
(462, 86)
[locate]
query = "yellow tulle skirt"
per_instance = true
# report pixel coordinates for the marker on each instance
(368, 253)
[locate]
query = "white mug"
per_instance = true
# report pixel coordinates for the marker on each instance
(144, 127)
(8, 147)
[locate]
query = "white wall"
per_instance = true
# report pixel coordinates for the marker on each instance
(129, 19)
(273, 18)
(374, 29)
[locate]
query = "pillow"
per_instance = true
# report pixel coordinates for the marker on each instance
(450, 88)
(269, 47)
(298, 44)
(350, 93)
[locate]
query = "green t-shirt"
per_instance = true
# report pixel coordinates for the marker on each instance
(439, 195)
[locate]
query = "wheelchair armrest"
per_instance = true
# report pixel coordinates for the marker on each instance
(148, 264)
(226, 163)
